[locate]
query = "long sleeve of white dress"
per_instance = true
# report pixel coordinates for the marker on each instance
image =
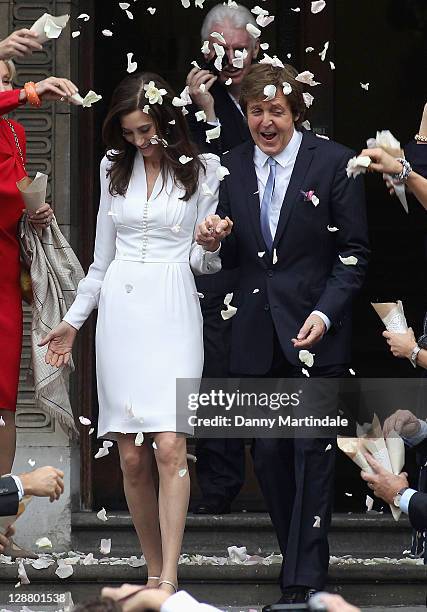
(201, 261)
(183, 602)
(89, 288)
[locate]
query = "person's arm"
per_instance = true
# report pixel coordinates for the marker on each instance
(89, 288)
(417, 510)
(402, 345)
(9, 496)
(9, 100)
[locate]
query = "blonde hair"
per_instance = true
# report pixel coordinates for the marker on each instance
(10, 68)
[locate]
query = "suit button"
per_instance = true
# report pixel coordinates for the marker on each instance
(270, 273)
(267, 307)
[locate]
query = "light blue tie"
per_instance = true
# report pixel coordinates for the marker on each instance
(266, 204)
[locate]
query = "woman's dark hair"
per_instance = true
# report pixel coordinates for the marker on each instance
(128, 97)
(99, 604)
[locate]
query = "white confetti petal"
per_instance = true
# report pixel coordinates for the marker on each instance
(191, 457)
(91, 430)
(154, 445)
(229, 81)
(316, 521)
(323, 52)
(105, 547)
(84, 16)
(182, 472)
(214, 133)
(41, 563)
(273, 61)
(202, 87)
(352, 372)
(44, 543)
(315, 200)
(264, 20)
(219, 37)
(132, 66)
(76, 33)
(102, 515)
(332, 65)
(31, 462)
(348, 261)
(264, 46)
(349, 494)
(64, 571)
(107, 444)
(309, 49)
(364, 86)
(199, 3)
(173, 122)
(308, 99)
(200, 115)
(274, 256)
(269, 92)
(306, 125)
(107, 33)
(84, 421)
(257, 10)
(185, 3)
(139, 438)
(261, 253)
(357, 165)
(305, 372)
(195, 65)
(184, 111)
(369, 503)
(332, 228)
(22, 574)
(205, 48)
(296, 9)
(222, 172)
(124, 5)
(307, 77)
(151, 10)
(2, 423)
(255, 291)
(287, 88)
(317, 6)
(184, 159)
(328, 448)
(102, 452)
(306, 357)
(253, 31)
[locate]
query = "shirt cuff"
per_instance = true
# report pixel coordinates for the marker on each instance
(418, 437)
(183, 602)
(404, 500)
(326, 320)
(215, 123)
(18, 483)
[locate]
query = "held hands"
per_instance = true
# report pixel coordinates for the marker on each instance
(42, 217)
(310, 333)
(60, 342)
(203, 99)
(384, 484)
(212, 231)
(401, 345)
(19, 43)
(402, 422)
(44, 482)
(55, 88)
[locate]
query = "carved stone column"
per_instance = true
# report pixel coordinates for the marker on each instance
(48, 129)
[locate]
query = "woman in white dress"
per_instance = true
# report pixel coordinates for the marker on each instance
(155, 190)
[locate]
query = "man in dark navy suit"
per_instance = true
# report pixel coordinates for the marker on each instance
(220, 463)
(300, 237)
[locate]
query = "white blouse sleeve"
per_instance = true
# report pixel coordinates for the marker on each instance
(89, 288)
(183, 602)
(201, 261)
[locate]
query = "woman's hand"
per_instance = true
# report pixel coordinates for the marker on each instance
(60, 342)
(55, 88)
(382, 161)
(401, 345)
(212, 230)
(42, 217)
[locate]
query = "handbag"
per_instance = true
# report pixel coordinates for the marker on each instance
(24, 276)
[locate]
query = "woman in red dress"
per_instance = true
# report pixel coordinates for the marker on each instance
(12, 169)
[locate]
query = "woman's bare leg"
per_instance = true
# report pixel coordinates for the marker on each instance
(136, 465)
(7, 441)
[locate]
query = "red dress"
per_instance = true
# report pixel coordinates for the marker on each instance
(11, 206)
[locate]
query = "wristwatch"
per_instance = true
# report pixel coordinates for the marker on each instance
(414, 355)
(398, 496)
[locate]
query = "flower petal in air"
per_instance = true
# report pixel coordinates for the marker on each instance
(317, 6)
(348, 261)
(306, 357)
(253, 31)
(269, 92)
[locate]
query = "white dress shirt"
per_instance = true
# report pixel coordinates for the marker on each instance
(285, 162)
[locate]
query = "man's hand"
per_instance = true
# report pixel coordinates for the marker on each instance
(144, 599)
(212, 230)
(383, 483)
(311, 332)
(19, 43)
(202, 97)
(401, 345)
(403, 422)
(43, 482)
(4, 539)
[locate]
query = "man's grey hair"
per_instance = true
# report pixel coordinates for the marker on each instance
(238, 15)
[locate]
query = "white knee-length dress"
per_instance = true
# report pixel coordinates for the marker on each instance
(149, 329)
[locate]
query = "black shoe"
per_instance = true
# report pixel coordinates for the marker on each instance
(294, 595)
(211, 507)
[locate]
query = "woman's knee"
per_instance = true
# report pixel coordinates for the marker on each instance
(134, 464)
(171, 452)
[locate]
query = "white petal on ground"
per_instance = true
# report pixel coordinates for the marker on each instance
(124, 5)
(219, 37)
(102, 515)
(132, 66)
(89, 560)
(107, 33)
(84, 421)
(323, 52)
(206, 190)
(308, 99)
(41, 563)
(332, 228)
(315, 200)
(214, 133)
(102, 452)
(2, 423)
(75, 34)
(184, 159)
(64, 571)
(317, 6)
(348, 261)
(307, 77)
(22, 574)
(306, 357)
(222, 172)
(44, 543)
(328, 448)
(84, 16)
(253, 31)
(274, 256)
(255, 291)
(31, 462)
(200, 115)
(139, 438)
(182, 472)
(105, 547)
(264, 46)
(237, 554)
(269, 92)
(261, 253)
(264, 20)
(316, 521)
(369, 503)
(205, 48)
(309, 49)
(287, 88)
(151, 10)
(364, 86)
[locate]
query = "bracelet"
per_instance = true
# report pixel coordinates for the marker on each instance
(32, 96)
(419, 138)
(402, 176)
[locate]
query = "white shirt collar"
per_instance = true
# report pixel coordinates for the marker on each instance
(282, 158)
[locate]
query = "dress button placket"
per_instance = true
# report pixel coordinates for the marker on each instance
(144, 232)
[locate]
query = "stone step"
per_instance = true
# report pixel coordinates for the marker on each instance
(381, 584)
(361, 535)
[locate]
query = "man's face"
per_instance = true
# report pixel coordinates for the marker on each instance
(236, 39)
(271, 123)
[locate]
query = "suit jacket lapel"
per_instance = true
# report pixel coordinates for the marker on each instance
(301, 166)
